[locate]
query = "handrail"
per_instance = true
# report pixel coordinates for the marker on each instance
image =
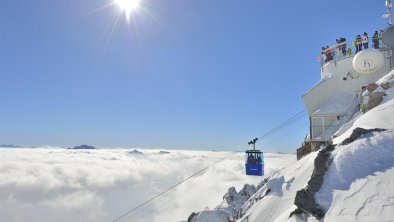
(341, 50)
(334, 52)
(334, 46)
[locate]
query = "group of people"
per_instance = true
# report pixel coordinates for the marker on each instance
(253, 159)
(377, 39)
(329, 52)
(361, 42)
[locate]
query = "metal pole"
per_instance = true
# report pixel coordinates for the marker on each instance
(388, 6)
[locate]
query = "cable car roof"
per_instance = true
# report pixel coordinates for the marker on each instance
(253, 151)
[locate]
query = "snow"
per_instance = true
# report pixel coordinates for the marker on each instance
(381, 116)
(277, 204)
(366, 156)
(379, 89)
(99, 185)
(233, 200)
(389, 95)
(102, 184)
(210, 216)
(368, 199)
(389, 78)
(358, 185)
(56, 184)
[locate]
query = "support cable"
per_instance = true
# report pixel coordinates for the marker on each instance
(172, 187)
(280, 126)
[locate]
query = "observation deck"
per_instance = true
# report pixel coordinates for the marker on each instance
(335, 97)
(337, 62)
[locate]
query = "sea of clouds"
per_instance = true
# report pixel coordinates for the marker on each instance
(49, 184)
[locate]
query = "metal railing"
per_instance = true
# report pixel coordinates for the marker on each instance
(343, 50)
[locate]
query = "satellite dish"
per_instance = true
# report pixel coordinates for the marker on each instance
(388, 36)
(368, 61)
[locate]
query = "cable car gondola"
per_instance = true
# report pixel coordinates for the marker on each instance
(254, 161)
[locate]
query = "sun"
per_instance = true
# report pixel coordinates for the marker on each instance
(128, 6)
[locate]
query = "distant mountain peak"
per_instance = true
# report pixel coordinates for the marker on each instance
(9, 146)
(83, 147)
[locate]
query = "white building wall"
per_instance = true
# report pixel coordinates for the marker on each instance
(339, 70)
(344, 65)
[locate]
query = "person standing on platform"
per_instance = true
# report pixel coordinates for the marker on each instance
(324, 56)
(359, 43)
(342, 42)
(328, 53)
(354, 43)
(365, 40)
(338, 48)
(375, 39)
(349, 52)
(381, 44)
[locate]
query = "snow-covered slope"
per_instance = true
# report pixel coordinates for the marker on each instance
(367, 199)
(358, 185)
(274, 201)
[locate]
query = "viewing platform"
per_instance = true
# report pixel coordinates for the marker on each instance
(348, 73)
(344, 75)
(337, 58)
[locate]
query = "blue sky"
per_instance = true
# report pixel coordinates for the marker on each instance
(186, 74)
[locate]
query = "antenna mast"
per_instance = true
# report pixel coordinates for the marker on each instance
(387, 15)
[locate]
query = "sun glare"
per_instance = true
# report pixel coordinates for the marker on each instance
(128, 6)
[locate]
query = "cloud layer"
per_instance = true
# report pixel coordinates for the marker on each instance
(100, 185)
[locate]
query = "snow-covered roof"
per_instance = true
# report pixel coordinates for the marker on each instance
(336, 106)
(389, 78)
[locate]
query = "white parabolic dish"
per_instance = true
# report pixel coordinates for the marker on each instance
(368, 61)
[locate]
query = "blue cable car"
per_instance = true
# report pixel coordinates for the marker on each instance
(254, 161)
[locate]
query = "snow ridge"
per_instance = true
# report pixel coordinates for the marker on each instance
(309, 200)
(230, 208)
(368, 155)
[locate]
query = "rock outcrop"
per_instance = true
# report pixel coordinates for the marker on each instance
(374, 93)
(230, 207)
(136, 152)
(357, 133)
(305, 198)
(233, 200)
